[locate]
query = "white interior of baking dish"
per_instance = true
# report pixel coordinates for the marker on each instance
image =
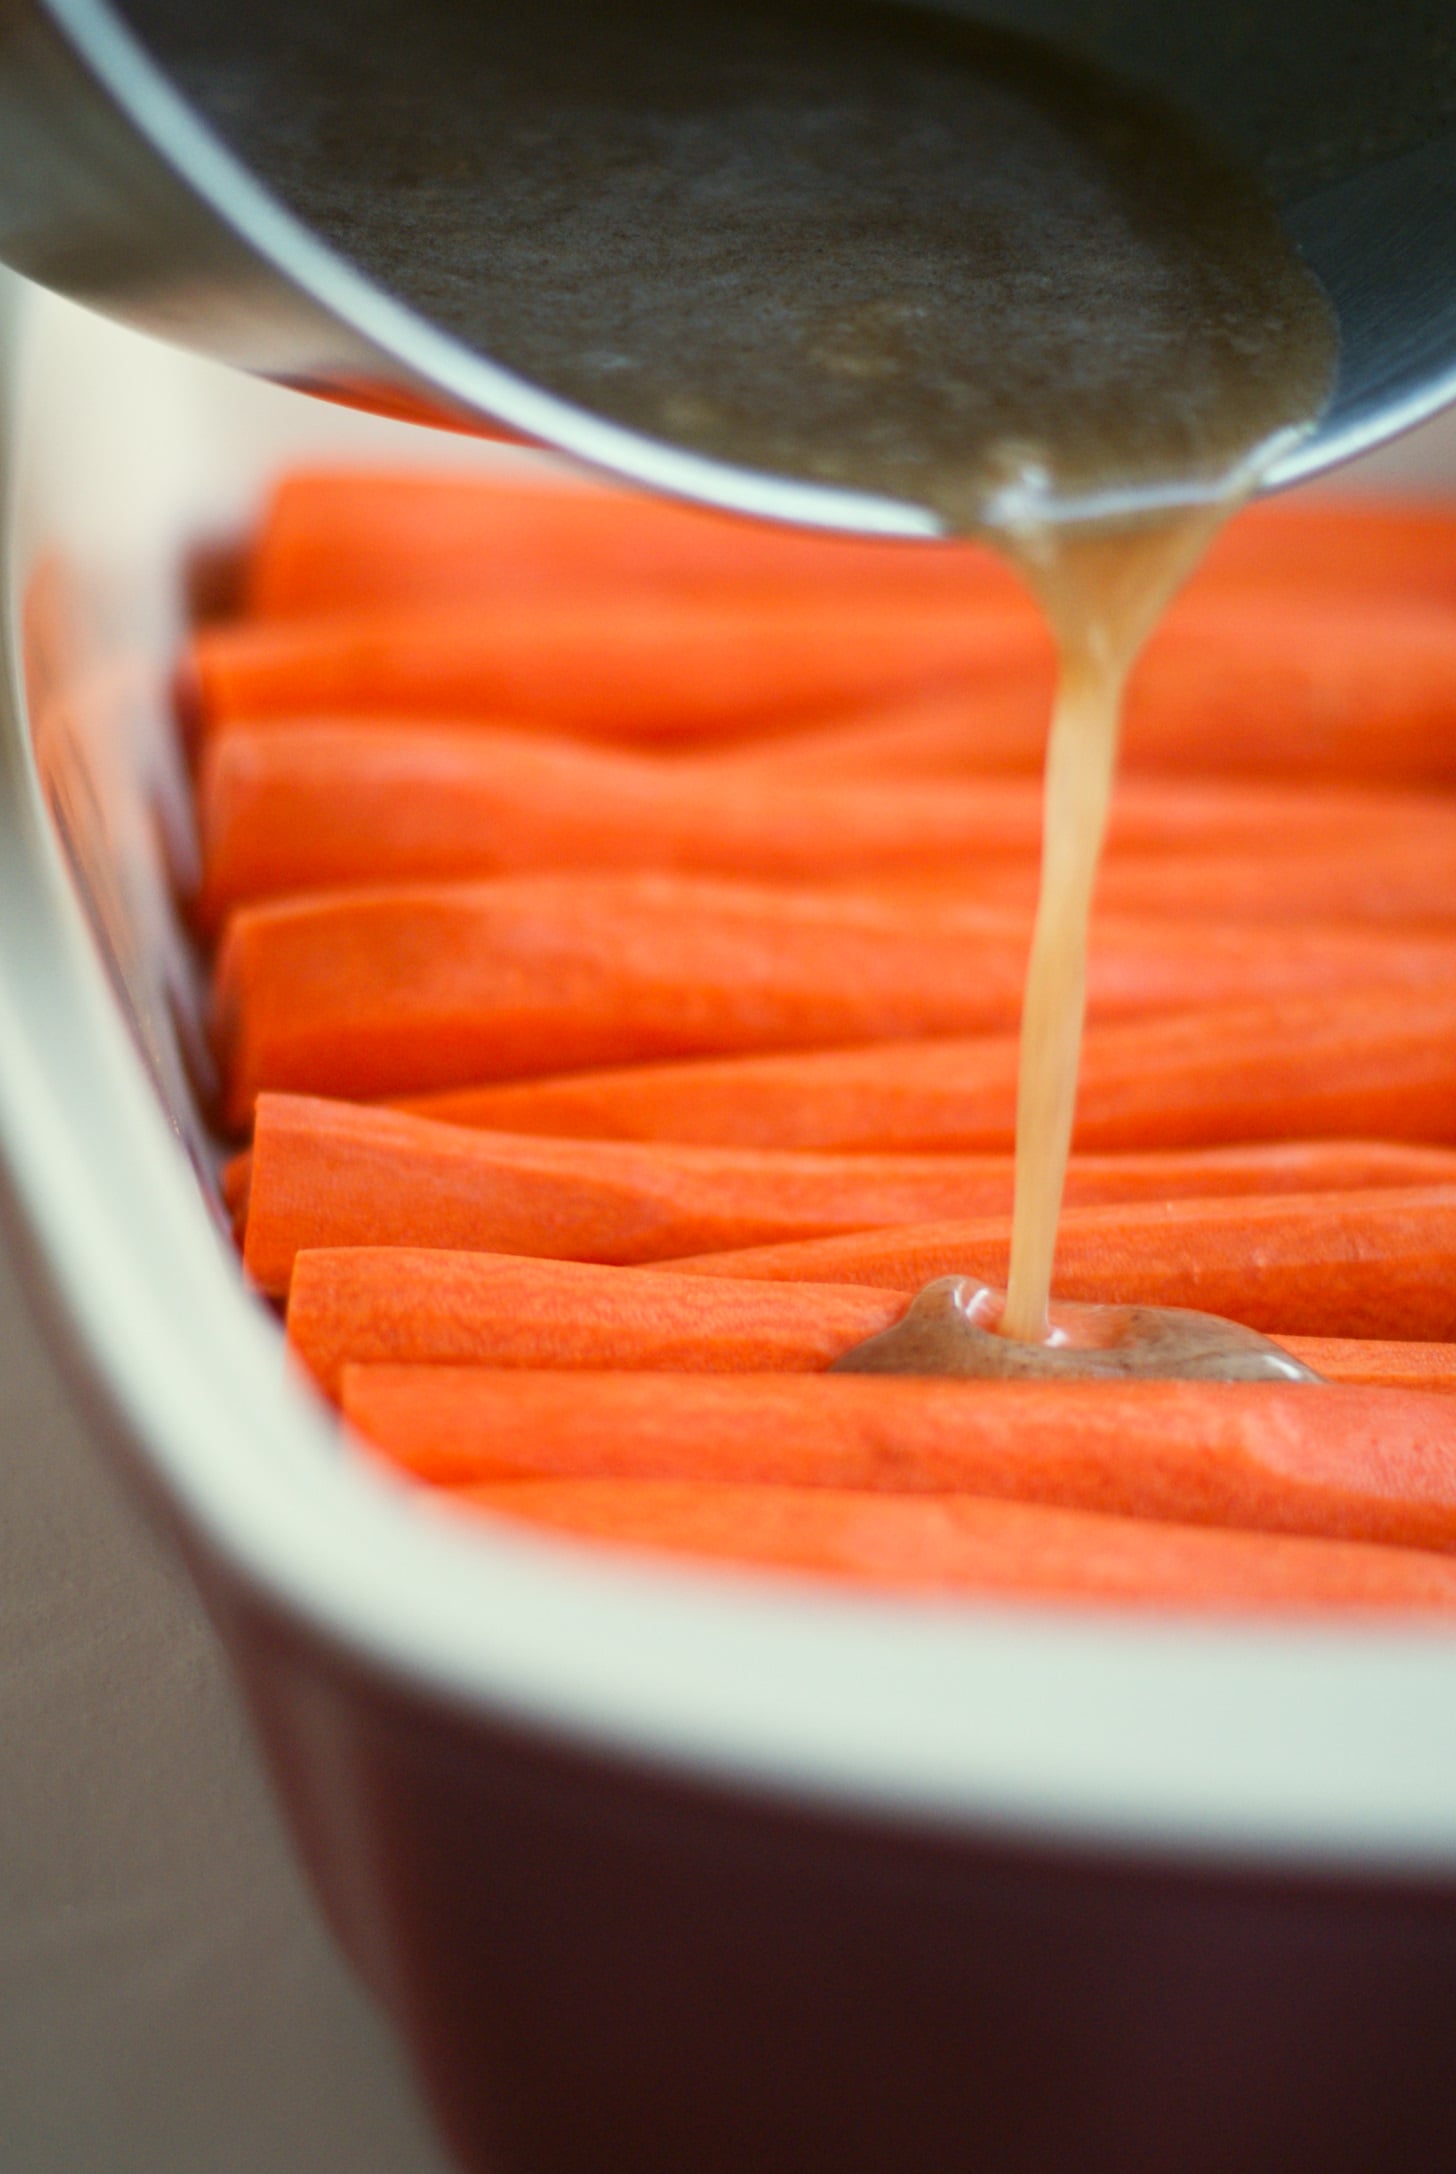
(1266, 1739)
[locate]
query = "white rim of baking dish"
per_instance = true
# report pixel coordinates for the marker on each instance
(1258, 1742)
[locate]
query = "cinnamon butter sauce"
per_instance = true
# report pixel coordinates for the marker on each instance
(954, 1326)
(894, 251)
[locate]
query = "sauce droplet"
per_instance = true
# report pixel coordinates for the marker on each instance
(951, 1328)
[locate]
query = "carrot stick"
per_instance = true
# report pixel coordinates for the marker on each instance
(348, 538)
(388, 991)
(965, 1545)
(1400, 882)
(306, 806)
(302, 807)
(621, 669)
(1251, 684)
(1152, 814)
(398, 991)
(337, 1174)
(1370, 879)
(1361, 1061)
(336, 538)
(1299, 686)
(1321, 541)
(1378, 1264)
(1345, 1464)
(997, 727)
(1373, 1364)
(1264, 685)
(425, 1307)
(236, 1182)
(372, 1304)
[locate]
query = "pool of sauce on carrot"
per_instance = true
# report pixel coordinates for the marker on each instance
(877, 247)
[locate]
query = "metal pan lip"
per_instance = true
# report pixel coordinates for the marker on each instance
(435, 366)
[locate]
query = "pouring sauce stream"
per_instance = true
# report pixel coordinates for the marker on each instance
(885, 249)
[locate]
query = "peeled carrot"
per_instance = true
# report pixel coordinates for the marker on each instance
(235, 1183)
(940, 1096)
(619, 669)
(964, 1544)
(329, 1173)
(1308, 685)
(1265, 684)
(296, 807)
(332, 538)
(420, 1306)
(302, 807)
(1372, 879)
(398, 991)
(388, 991)
(1375, 1364)
(1402, 882)
(1322, 541)
(1250, 684)
(1312, 1264)
(345, 538)
(1378, 1063)
(1346, 1464)
(997, 728)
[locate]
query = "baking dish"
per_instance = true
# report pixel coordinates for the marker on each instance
(655, 1870)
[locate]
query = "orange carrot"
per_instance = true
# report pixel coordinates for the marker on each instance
(997, 727)
(423, 1307)
(302, 807)
(1267, 685)
(306, 806)
(1409, 880)
(1257, 684)
(1322, 541)
(1402, 882)
(1362, 1061)
(619, 669)
(337, 538)
(1345, 1464)
(389, 991)
(345, 538)
(371, 1304)
(952, 734)
(1373, 1364)
(1379, 1264)
(235, 1183)
(337, 1174)
(1348, 686)
(964, 1544)
(398, 991)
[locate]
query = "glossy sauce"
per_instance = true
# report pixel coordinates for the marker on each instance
(953, 1327)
